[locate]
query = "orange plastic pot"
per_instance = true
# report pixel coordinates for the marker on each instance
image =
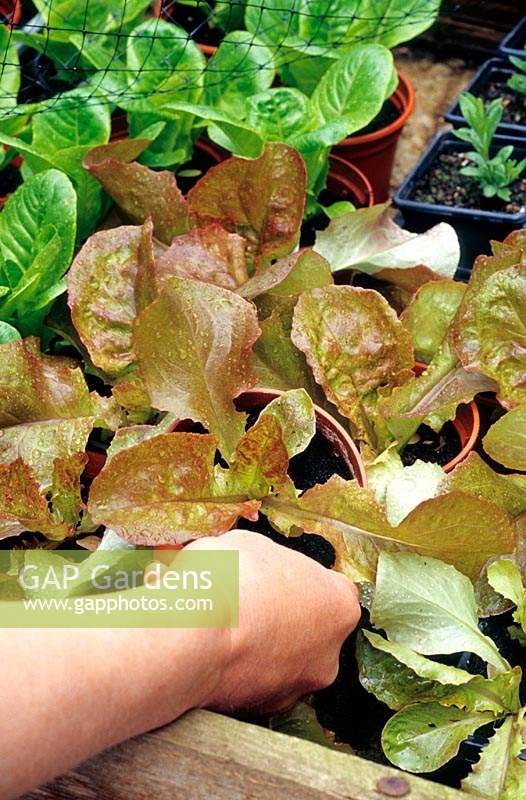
(10, 12)
(373, 153)
(346, 182)
(467, 425)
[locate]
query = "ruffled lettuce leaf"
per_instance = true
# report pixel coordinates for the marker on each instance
(102, 294)
(166, 488)
(46, 416)
(194, 349)
(430, 314)
(458, 528)
(138, 190)
(209, 254)
(369, 240)
(289, 276)
(357, 349)
(488, 331)
(261, 200)
(433, 396)
(277, 363)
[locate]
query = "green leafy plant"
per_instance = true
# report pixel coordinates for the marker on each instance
(242, 113)
(517, 81)
(494, 174)
(308, 38)
(426, 608)
(59, 139)
(37, 236)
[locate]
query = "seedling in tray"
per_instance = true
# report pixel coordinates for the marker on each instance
(517, 82)
(494, 175)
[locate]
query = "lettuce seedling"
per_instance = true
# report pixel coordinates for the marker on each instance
(348, 96)
(517, 81)
(60, 138)
(427, 608)
(46, 416)
(307, 38)
(37, 237)
(493, 174)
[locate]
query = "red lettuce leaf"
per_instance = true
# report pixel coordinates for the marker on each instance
(194, 348)
(261, 200)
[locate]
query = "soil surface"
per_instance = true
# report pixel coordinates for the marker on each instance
(39, 79)
(444, 184)
(388, 114)
(437, 447)
(10, 178)
(513, 103)
(194, 21)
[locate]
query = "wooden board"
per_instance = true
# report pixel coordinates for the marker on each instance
(206, 756)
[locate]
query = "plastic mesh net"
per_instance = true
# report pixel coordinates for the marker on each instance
(134, 53)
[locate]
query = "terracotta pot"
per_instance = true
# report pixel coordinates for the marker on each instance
(467, 425)
(212, 150)
(373, 153)
(330, 429)
(95, 463)
(207, 50)
(346, 182)
(10, 12)
(119, 125)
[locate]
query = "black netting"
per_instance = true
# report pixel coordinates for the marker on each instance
(66, 52)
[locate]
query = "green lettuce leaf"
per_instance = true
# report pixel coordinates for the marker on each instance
(241, 67)
(194, 349)
(423, 737)
(430, 607)
(61, 137)
(430, 314)
(505, 441)
(500, 774)
(37, 235)
(399, 677)
(352, 91)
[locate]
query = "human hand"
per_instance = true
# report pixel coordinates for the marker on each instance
(294, 616)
